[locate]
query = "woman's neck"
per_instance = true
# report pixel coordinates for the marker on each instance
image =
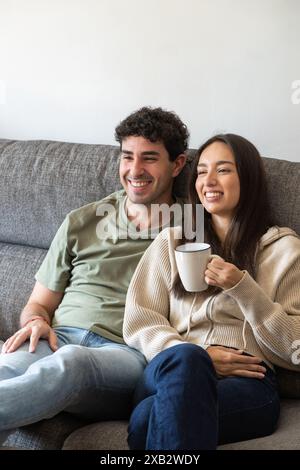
(221, 226)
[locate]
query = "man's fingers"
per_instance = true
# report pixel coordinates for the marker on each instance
(34, 339)
(53, 340)
(14, 342)
(8, 343)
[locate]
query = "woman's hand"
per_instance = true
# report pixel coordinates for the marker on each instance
(230, 362)
(34, 330)
(221, 274)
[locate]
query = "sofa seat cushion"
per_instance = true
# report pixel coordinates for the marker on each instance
(106, 435)
(112, 435)
(48, 434)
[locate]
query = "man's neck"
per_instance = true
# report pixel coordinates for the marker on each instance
(141, 215)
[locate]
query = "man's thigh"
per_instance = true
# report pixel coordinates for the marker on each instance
(16, 363)
(114, 371)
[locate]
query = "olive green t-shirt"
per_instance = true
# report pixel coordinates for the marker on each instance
(92, 259)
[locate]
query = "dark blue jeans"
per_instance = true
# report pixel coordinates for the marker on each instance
(182, 405)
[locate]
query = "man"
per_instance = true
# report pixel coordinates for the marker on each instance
(76, 359)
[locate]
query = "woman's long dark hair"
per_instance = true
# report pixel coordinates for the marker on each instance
(252, 216)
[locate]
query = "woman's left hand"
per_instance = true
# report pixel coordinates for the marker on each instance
(221, 274)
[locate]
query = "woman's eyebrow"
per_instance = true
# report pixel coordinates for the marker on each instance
(220, 162)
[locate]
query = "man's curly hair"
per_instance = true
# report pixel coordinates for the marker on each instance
(156, 125)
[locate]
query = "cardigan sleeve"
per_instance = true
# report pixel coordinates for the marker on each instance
(275, 322)
(146, 326)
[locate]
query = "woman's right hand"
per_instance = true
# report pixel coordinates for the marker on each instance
(231, 362)
(34, 330)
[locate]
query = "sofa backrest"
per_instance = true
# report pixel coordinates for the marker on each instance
(41, 181)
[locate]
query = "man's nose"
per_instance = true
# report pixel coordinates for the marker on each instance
(136, 168)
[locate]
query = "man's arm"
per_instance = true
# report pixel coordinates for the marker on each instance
(36, 319)
(43, 302)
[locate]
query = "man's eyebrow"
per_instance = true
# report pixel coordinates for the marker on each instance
(147, 152)
(219, 162)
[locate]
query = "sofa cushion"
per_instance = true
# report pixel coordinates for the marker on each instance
(48, 434)
(18, 265)
(113, 434)
(284, 183)
(110, 435)
(288, 383)
(41, 181)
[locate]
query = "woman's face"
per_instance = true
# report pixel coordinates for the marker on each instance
(218, 184)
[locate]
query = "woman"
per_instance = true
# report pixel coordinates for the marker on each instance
(210, 379)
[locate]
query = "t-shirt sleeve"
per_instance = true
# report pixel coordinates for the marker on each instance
(54, 272)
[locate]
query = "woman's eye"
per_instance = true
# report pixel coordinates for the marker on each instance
(223, 170)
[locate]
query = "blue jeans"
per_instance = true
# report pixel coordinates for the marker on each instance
(182, 405)
(88, 375)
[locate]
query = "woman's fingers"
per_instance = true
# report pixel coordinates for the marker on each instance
(248, 373)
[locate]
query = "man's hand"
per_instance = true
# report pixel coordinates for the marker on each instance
(221, 274)
(34, 330)
(231, 362)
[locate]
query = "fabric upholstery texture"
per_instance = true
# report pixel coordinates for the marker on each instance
(41, 181)
(285, 438)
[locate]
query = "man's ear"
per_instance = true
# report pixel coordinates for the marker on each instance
(179, 163)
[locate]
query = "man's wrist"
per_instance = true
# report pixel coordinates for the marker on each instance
(36, 317)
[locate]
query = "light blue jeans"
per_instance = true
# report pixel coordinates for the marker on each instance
(88, 375)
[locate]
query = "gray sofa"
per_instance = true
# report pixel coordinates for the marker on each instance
(40, 182)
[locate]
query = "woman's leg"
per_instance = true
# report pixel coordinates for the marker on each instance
(248, 408)
(177, 402)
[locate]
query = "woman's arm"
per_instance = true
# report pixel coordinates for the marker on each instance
(146, 326)
(275, 323)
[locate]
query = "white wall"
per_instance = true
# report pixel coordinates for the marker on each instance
(72, 69)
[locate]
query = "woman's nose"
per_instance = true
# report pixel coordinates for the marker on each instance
(210, 179)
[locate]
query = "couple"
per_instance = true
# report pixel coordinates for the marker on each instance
(210, 377)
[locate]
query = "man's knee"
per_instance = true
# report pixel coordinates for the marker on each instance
(72, 354)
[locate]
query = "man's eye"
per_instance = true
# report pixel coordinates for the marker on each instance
(150, 159)
(201, 173)
(126, 157)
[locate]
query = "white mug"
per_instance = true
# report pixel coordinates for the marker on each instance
(192, 260)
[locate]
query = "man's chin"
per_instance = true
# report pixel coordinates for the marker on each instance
(137, 199)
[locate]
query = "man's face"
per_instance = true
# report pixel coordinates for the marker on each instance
(146, 173)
